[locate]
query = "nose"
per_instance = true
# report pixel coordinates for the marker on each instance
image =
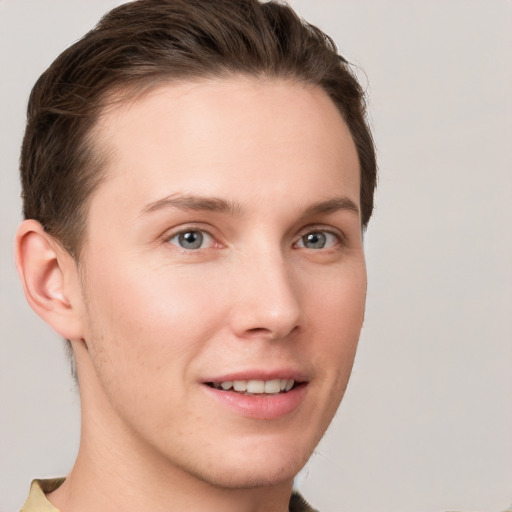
(268, 302)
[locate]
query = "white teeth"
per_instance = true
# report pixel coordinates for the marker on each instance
(257, 387)
(240, 385)
(273, 386)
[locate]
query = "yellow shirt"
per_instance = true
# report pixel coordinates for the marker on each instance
(37, 501)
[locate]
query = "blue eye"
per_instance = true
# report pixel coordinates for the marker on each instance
(192, 239)
(318, 240)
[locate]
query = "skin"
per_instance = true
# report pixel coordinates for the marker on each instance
(151, 320)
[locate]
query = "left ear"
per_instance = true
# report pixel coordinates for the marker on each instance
(50, 280)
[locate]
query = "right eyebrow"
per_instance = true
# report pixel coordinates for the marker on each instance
(195, 203)
(333, 205)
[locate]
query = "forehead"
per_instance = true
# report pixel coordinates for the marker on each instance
(225, 137)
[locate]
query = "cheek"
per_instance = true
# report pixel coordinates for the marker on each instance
(146, 330)
(148, 318)
(337, 315)
(339, 298)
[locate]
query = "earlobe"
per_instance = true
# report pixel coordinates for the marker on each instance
(50, 279)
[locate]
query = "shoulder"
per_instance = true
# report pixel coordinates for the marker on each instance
(299, 504)
(36, 501)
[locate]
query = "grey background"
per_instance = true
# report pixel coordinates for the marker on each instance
(426, 424)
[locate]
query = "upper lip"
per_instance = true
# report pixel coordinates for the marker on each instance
(258, 374)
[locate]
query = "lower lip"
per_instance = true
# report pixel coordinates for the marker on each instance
(261, 407)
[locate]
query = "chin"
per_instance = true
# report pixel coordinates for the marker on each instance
(262, 467)
(251, 478)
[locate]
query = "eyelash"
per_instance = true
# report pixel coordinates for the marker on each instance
(340, 239)
(319, 234)
(182, 232)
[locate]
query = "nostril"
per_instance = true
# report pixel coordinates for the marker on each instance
(276, 334)
(259, 330)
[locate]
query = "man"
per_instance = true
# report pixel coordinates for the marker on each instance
(196, 180)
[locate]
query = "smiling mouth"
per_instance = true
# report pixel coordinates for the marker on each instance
(255, 387)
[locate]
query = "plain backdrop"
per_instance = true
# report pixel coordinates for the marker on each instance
(426, 424)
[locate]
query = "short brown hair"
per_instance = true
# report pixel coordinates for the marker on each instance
(145, 42)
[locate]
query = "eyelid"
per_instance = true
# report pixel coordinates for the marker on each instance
(178, 230)
(340, 235)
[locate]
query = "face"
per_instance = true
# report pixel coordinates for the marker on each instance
(223, 278)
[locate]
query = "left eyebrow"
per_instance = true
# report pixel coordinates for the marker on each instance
(331, 206)
(194, 202)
